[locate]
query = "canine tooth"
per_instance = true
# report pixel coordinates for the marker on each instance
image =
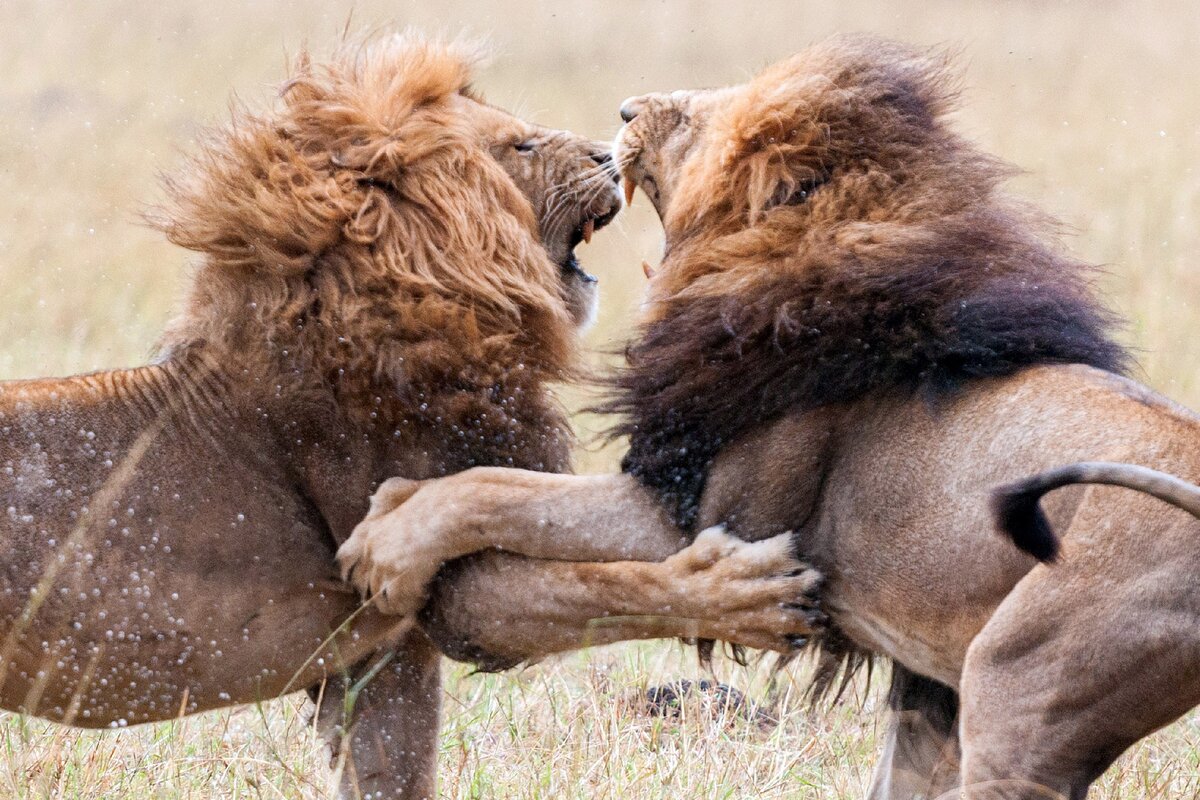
(649, 270)
(589, 228)
(630, 187)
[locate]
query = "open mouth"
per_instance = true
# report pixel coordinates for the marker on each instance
(583, 233)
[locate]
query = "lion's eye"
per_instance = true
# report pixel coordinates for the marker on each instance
(524, 147)
(799, 195)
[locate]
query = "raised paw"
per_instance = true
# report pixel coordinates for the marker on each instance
(752, 593)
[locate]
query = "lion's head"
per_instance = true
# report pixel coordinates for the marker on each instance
(383, 229)
(843, 148)
(828, 235)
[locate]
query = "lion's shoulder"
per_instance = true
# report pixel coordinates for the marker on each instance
(1094, 386)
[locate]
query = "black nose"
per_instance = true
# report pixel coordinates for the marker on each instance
(632, 106)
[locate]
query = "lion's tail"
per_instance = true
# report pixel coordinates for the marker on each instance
(1019, 516)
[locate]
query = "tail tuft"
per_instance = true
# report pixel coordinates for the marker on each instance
(1019, 517)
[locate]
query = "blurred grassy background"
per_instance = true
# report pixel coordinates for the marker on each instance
(1099, 101)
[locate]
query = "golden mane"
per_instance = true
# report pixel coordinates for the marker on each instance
(360, 235)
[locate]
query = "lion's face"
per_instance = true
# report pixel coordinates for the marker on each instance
(570, 182)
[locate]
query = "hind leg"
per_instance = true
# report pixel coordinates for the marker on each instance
(921, 753)
(382, 728)
(1083, 658)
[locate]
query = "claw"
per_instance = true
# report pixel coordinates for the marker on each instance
(349, 566)
(811, 605)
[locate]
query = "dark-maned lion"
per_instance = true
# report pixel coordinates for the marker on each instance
(387, 285)
(854, 335)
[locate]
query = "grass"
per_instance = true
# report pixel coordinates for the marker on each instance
(1097, 101)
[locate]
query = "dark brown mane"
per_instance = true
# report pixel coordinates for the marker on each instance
(905, 273)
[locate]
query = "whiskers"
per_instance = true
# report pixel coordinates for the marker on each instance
(578, 191)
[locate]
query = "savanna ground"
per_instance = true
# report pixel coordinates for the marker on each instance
(1098, 101)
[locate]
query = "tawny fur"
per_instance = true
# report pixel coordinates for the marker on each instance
(385, 287)
(372, 298)
(879, 438)
(899, 268)
(837, 256)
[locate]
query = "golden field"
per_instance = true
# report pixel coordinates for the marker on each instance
(1098, 101)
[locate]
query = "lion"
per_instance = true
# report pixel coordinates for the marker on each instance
(855, 335)
(387, 285)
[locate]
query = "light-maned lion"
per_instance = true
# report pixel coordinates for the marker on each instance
(387, 286)
(854, 335)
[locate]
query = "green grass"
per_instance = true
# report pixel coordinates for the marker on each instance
(1098, 101)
